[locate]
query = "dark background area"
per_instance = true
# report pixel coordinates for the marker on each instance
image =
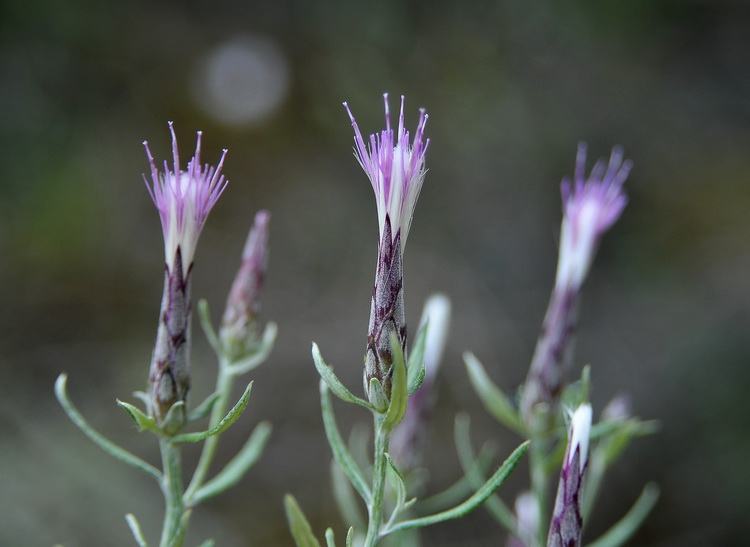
(511, 88)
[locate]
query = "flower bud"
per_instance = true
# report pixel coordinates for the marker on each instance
(239, 326)
(567, 522)
(590, 207)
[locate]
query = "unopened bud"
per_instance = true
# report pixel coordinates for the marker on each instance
(567, 522)
(239, 330)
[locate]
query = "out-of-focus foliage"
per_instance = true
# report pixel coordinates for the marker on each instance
(511, 88)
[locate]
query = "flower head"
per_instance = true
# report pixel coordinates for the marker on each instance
(396, 169)
(184, 199)
(590, 207)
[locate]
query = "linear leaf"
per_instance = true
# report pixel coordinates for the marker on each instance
(495, 401)
(298, 524)
(338, 446)
(624, 529)
(332, 381)
(105, 444)
(479, 497)
(237, 466)
(223, 425)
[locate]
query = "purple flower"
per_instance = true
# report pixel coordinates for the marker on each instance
(184, 199)
(567, 523)
(590, 208)
(396, 169)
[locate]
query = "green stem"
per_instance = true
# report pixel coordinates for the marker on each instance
(375, 507)
(224, 383)
(538, 464)
(173, 530)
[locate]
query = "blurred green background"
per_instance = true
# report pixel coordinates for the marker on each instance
(511, 88)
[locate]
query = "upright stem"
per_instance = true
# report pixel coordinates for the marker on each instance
(375, 508)
(538, 462)
(224, 383)
(173, 531)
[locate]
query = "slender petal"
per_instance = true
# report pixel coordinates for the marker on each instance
(590, 208)
(184, 199)
(396, 169)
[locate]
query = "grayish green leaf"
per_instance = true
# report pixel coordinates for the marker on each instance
(223, 425)
(298, 524)
(629, 524)
(105, 444)
(479, 497)
(237, 466)
(333, 383)
(495, 401)
(338, 447)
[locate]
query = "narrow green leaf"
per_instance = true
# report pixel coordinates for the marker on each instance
(343, 494)
(399, 487)
(462, 487)
(223, 425)
(399, 392)
(260, 353)
(494, 400)
(298, 524)
(350, 537)
(208, 543)
(142, 421)
(202, 410)
(415, 365)
(479, 497)
(237, 466)
(475, 475)
(330, 539)
(417, 381)
(577, 392)
(105, 444)
(624, 529)
(135, 529)
(204, 314)
(338, 447)
(334, 384)
(620, 440)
